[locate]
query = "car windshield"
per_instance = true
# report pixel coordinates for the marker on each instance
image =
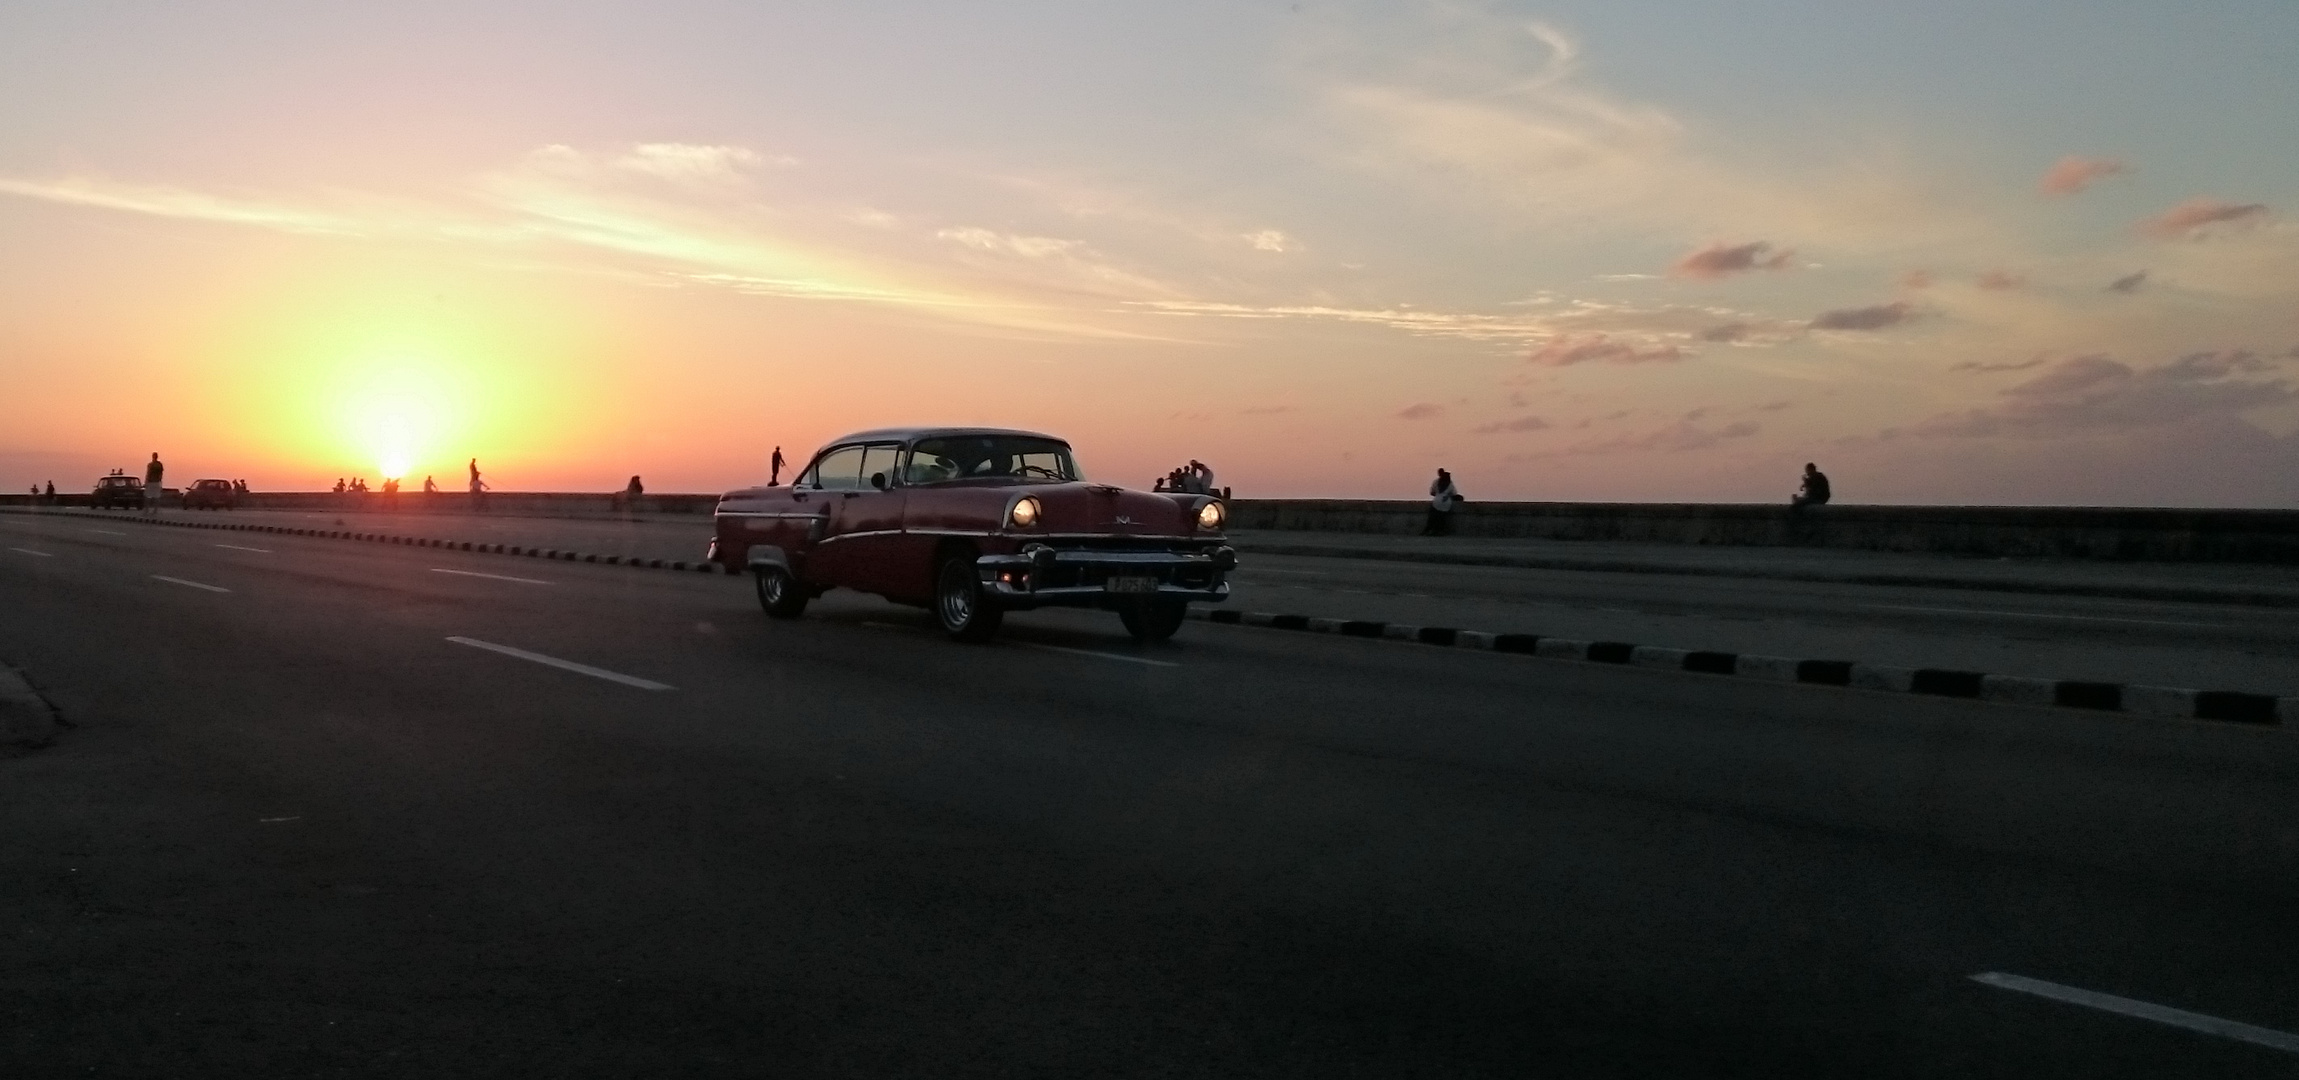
(975, 457)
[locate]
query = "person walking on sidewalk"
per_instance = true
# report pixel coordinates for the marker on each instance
(1443, 497)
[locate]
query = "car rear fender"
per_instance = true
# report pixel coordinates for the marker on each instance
(765, 555)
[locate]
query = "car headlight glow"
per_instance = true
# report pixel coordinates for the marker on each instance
(1211, 515)
(1024, 514)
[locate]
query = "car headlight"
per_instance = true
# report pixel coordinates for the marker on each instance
(1024, 514)
(1211, 515)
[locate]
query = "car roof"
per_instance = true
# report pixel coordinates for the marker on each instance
(908, 434)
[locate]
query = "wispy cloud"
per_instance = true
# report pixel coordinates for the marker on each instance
(1268, 240)
(1875, 317)
(1682, 436)
(174, 202)
(2129, 283)
(1568, 350)
(2097, 393)
(2072, 174)
(2195, 215)
(2000, 281)
(1520, 424)
(1422, 410)
(1720, 260)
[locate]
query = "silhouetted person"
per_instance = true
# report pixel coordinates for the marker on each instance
(339, 488)
(430, 488)
(1443, 497)
(1815, 490)
(635, 489)
(478, 486)
(51, 491)
(153, 471)
(775, 474)
(1203, 474)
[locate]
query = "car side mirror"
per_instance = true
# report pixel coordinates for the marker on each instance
(878, 480)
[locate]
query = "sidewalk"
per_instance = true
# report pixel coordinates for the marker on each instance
(2210, 583)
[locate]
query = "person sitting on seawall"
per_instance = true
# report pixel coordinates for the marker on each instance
(1815, 491)
(1443, 497)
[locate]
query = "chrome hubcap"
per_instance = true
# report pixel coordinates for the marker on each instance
(957, 599)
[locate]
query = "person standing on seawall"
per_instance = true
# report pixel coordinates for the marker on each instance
(774, 476)
(1443, 497)
(153, 471)
(478, 487)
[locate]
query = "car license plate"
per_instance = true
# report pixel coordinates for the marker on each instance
(1130, 585)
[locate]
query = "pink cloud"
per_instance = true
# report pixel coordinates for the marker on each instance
(2072, 174)
(1916, 279)
(1718, 260)
(1566, 350)
(1864, 318)
(1420, 411)
(1998, 281)
(2195, 214)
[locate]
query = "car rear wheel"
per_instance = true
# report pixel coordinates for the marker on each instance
(779, 594)
(1153, 620)
(964, 612)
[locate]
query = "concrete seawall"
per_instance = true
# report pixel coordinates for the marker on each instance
(2166, 535)
(2068, 532)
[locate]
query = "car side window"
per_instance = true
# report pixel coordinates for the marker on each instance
(840, 470)
(879, 458)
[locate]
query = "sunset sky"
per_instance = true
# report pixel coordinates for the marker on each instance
(1955, 252)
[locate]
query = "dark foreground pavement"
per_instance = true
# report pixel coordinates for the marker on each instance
(299, 831)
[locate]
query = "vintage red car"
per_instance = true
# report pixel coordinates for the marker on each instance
(972, 523)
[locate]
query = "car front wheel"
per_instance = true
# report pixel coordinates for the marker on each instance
(964, 612)
(779, 594)
(1153, 620)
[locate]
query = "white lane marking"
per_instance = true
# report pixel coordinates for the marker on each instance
(491, 577)
(2042, 615)
(1295, 573)
(1101, 655)
(2144, 1010)
(236, 547)
(29, 551)
(274, 820)
(193, 584)
(564, 665)
(108, 532)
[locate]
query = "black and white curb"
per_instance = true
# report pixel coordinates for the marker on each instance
(2151, 701)
(679, 565)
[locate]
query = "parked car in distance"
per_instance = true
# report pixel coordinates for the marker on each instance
(972, 523)
(211, 495)
(118, 490)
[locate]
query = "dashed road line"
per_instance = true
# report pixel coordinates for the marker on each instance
(193, 584)
(29, 551)
(490, 577)
(2143, 1010)
(236, 547)
(108, 532)
(564, 665)
(1100, 655)
(2043, 615)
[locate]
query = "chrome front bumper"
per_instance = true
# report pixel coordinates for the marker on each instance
(1042, 575)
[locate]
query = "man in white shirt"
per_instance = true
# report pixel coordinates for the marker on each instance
(1443, 497)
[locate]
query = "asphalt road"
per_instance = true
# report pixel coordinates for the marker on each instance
(314, 820)
(2209, 646)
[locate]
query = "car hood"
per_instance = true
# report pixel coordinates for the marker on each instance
(1105, 508)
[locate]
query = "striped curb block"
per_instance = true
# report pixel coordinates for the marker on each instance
(679, 565)
(2164, 702)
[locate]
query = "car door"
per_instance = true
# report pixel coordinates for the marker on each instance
(816, 494)
(865, 523)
